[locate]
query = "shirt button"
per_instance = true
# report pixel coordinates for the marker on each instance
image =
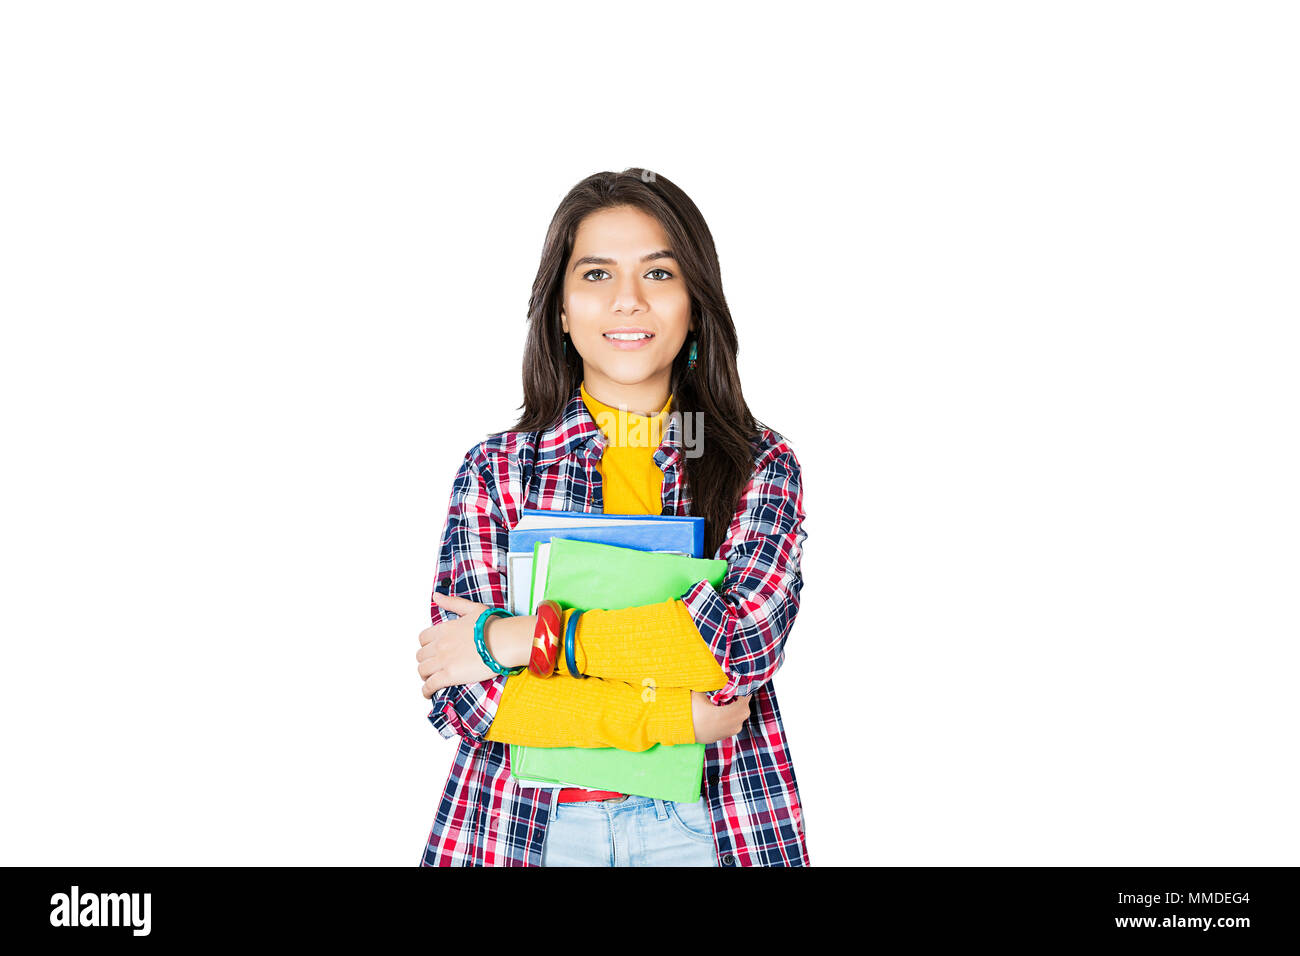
(728, 860)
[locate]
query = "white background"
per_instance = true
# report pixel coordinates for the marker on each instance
(1017, 281)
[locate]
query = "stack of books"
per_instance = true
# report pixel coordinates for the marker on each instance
(607, 561)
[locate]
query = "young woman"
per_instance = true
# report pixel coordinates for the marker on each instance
(630, 336)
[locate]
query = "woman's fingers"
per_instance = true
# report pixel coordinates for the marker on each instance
(739, 713)
(432, 663)
(433, 684)
(457, 605)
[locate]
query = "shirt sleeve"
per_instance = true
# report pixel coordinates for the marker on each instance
(472, 565)
(658, 643)
(564, 711)
(746, 623)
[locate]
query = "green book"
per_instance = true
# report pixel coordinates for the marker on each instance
(586, 575)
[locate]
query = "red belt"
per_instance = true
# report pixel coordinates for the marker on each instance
(577, 795)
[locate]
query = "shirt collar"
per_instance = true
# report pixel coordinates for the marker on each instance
(576, 433)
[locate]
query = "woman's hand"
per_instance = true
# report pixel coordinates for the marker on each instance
(447, 655)
(713, 723)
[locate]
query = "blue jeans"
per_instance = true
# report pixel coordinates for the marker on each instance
(630, 831)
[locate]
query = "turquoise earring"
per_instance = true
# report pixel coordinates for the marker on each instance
(690, 360)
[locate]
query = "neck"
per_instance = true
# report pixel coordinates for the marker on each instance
(644, 398)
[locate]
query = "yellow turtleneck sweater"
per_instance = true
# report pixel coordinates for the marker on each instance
(642, 662)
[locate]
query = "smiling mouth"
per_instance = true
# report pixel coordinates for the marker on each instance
(628, 336)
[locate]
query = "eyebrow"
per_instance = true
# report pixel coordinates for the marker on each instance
(601, 261)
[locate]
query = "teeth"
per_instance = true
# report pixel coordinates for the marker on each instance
(627, 336)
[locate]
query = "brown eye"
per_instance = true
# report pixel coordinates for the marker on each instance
(667, 274)
(588, 275)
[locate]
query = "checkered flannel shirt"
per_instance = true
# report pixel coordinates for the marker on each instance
(485, 818)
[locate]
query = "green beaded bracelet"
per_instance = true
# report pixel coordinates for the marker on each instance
(481, 643)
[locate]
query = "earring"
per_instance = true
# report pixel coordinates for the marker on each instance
(690, 360)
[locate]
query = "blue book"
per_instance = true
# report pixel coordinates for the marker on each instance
(670, 534)
(670, 530)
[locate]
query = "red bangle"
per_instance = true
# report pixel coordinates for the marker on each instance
(546, 639)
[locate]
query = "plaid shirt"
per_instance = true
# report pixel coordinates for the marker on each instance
(484, 817)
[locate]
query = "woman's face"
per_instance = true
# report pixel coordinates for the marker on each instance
(622, 277)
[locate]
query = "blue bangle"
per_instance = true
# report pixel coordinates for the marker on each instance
(570, 638)
(481, 642)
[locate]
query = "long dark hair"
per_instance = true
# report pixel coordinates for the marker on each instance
(716, 478)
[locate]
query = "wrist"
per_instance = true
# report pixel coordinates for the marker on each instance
(511, 639)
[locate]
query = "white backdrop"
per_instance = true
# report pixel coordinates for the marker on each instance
(1017, 281)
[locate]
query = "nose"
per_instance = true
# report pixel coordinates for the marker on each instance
(627, 295)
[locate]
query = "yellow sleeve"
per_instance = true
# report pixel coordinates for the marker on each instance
(656, 642)
(564, 711)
